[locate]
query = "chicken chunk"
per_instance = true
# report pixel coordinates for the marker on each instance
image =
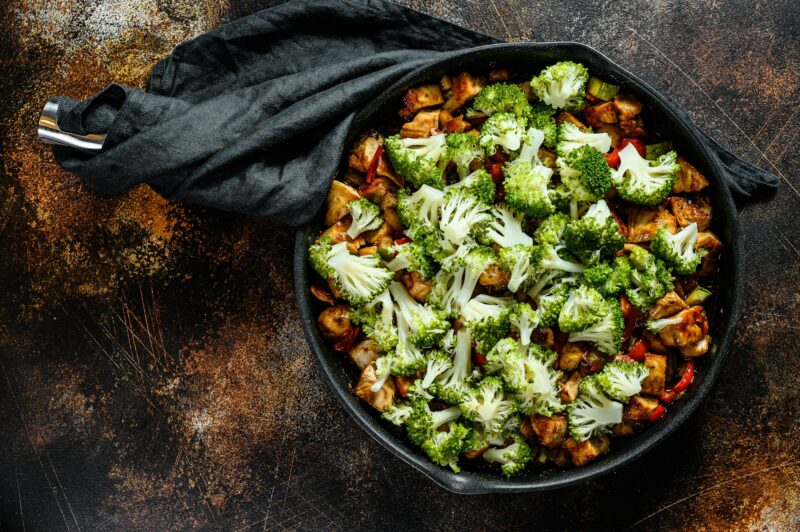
(493, 277)
(338, 233)
(421, 126)
(699, 348)
(334, 322)
(364, 353)
(655, 342)
(381, 237)
(419, 98)
(614, 132)
(639, 408)
(381, 192)
(693, 326)
(499, 74)
(581, 453)
(566, 116)
(571, 355)
(627, 106)
(417, 287)
(549, 431)
(601, 114)
(465, 87)
(391, 217)
(548, 158)
(362, 154)
(339, 196)
(633, 128)
(689, 178)
(620, 430)
(452, 124)
(569, 390)
(526, 90)
(378, 400)
(708, 241)
(688, 212)
(654, 383)
(644, 223)
(669, 305)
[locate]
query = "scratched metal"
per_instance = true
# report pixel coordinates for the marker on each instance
(154, 375)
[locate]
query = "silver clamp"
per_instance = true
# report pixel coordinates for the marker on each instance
(50, 133)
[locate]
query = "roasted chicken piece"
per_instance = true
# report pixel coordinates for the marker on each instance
(569, 390)
(453, 124)
(644, 222)
(547, 157)
(614, 132)
(391, 217)
(417, 287)
(364, 353)
(381, 192)
(633, 127)
(581, 453)
(338, 233)
(688, 212)
(339, 196)
(493, 277)
(419, 98)
(421, 126)
(566, 116)
(549, 431)
(708, 241)
(639, 408)
(381, 237)
(526, 90)
(334, 322)
(378, 400)
(670, 304)
(655, 381)
(689, 178)
(620, 430)
(362, 154)
(698, 348)
(571, 356)
(601, 114)
(689, 327)
(499, 74)
(655, 342)
(465, 87)
(627, 106)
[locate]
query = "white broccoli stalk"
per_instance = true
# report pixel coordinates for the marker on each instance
(421, 207)
(451, 385)
(426, 326)
(360, 278)
(592, 413)
(571, 137)
(461, 215)
(644, 182)
(505, 229)
(366, 217)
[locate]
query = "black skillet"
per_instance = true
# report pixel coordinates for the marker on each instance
(664, 119)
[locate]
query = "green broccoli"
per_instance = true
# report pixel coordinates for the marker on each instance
(516, 260)
(462, 149)
(505, 229)
(609, 279)
(650, 278)
(498, 357)
(513, 458)
(524, 320)
(463, 216)
(487, 405)
(571, 137)
(504, 130)
(539, 393)
(596, 234)
(422, 423)
(478, 184)
(378, 325)
(360, 278)
(645, 182)
(499, 98)
(438, 361)
(583, 308)
(418, 161)
(542, 117)
(444, 447)
(397, 413)
(605, 333)
(412, 257)
(678, 250)
(592, 413)
(585, 174)
(426, 325)
(621, 380)
(487, 317)
(453, 285)
(420, 208)
(451, 385)
(551, 230)
(562, 85)
(550, 301)
(526, 180)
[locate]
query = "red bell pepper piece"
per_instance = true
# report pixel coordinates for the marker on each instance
(612, 158)
(344, 345)
(638, 350)
(373, 164)
(686, 379)
(479, 359)
(637, 143)
(499, 193)
(656, 414)
(402, 240)
(496, 171)
(630, 315)
(499, 157)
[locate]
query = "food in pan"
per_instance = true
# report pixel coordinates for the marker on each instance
(517, 269)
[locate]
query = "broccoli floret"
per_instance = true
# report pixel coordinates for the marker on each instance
(546, 258)
(478, 184)
(412, 257)
(585, 174)
(451, 385)
(476, 440)
(549, 303)
(438, 361)
(592, 413)
(504, 130)
(444, 447)
(421, 425)
(539, 393)
(427, 326)
(454, 284)
(377, 321)
(498, 356)
(499, 98)
(487, 317)
(609, 279)
(360, 278)
(513, 458)
(562, 85)
(505, 229)
(420, 208)
(645, 182)
(487, 405)
(526, 180)
(678, 250)
(551, 230)
(596, 233)
(606, 333)
(397, 413)
(621, 380)
(571, 137)
(524, 320)
(516, 260)
(650, 278)
(542, 117)
(463, 216)
(584, 307)
(366, 217)
(419, 161)
(462, 149)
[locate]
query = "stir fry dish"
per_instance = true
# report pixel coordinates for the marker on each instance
(517, 269)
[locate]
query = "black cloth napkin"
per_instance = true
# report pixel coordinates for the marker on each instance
(251, 116)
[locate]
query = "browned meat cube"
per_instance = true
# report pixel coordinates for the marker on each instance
(699, 348)
(543, 337)
(362, 154)
(367, 250)
(446, 83)
(689, 178)
(655, 342)
(627, 106)
(339, 196)
(593, 361)
(633, 127)
(381, 237)
(452, 124)
(653, 384)
(708, 241)
(421, 126)
(549, 431)
(378, 400)
(417, 287)
(338, 233)
(614, 132)
(571, 356)
(639, 408)
(601, 114)
(382, 192)
(688, 212)
(566, 116)
(644, 223)
(419, 98)
(581, 453)
(548, 158)
(334, 322)
(569, 390)
(693, 326)
(526, 89)
(353, 178)
(364, 353)
(620, 430)
(493, 277)
(465, 87)
(499, 74)
(669, 305)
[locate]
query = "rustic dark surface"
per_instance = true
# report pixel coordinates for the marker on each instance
(152, 369)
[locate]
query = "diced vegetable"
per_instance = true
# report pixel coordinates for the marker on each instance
(654, 151)
(602, 90)
(697, 296)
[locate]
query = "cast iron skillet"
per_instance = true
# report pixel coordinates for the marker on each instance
(670, 122)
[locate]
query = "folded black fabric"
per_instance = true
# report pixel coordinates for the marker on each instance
(251, 117)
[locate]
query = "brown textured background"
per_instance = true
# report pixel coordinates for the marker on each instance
(152, 370)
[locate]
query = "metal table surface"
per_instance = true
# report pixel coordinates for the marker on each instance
(153, 373)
